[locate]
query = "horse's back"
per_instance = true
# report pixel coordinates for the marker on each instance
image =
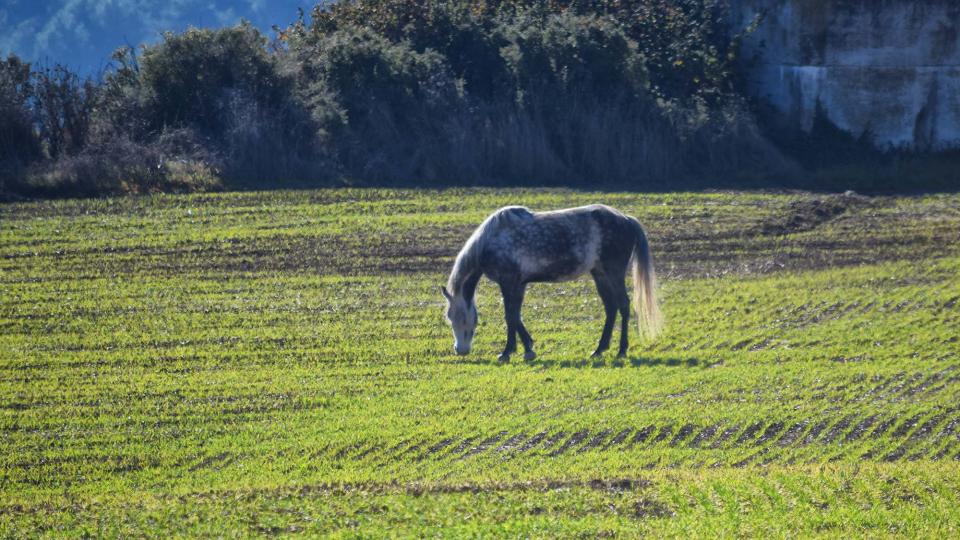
(600, 213)
(597, 233)
(542, 246)
(523, 213)
(512, 213)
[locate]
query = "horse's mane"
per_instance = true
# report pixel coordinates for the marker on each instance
(468, 260)
(466, 269)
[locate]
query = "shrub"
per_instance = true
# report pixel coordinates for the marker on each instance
(686, 44)
(186, 80)
(581, 82)
(174, 162)
(387, 109)
(19, 145)
(63, 107)
(225, 86)
(465, 34)
(569, 102)
(633, 93)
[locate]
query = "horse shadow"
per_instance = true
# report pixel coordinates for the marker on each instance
(594, 363)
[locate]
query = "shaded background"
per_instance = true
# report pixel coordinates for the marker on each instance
(81, 34)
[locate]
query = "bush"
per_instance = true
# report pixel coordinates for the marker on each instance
(627, 93)
(389, 111)
(686, 44)
(725, 146)
(463, 33)
(19, 145)
(580, 81)
(174, 162)
(569, 100)
(187, 80)
(45, 115)
(243, 107)
(63, 107)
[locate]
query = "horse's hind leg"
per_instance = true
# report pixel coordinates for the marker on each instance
(528, 353)
(609, 306)
(619, 289)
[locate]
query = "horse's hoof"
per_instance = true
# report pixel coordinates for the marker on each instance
(529, 355)
(504, 357)
(621, 354)
(596, 354)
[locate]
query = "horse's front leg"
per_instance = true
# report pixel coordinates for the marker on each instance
(512, 303)
(511, 311)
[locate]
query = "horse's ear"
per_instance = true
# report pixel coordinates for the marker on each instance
(446, 294)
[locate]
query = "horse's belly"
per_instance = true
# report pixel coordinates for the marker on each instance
(562, 270)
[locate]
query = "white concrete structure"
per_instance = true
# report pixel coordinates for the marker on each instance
(887, 67)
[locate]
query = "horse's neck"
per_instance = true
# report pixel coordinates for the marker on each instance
(468, 287)
(465, 278)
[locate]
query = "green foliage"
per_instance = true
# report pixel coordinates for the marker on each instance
(685, 45)
(386, 107)
(631, 93)
(181, 115)
(18, 142)
(566, 56)
(580, 85)
(463, 33)
(187, 79)
(45, 116)
(225, 86)
(63, 109)
(561, 97)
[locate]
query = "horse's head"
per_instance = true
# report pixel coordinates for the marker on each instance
(462, 316)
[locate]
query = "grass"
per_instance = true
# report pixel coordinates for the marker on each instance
(267, 363)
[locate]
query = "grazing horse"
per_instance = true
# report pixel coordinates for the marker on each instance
(514, 247)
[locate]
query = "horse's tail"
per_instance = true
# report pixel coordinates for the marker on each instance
(649, 320)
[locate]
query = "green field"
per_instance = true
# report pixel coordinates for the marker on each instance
(272, 363)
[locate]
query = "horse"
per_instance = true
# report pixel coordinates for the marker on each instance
(514, 247)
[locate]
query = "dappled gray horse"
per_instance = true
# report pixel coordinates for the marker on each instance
(514, 247)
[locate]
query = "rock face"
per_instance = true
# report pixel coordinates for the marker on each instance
(890, 68)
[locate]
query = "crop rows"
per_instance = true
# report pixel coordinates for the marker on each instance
(933, 435)
(262, 363)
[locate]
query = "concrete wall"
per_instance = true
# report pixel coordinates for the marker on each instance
(890, 67)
